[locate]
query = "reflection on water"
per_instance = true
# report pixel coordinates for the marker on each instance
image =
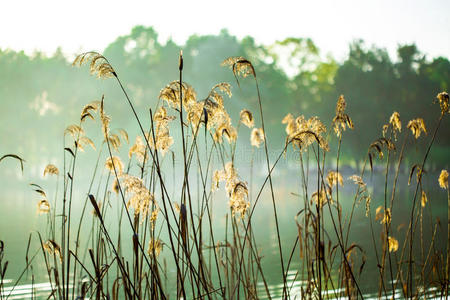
(43, 290)
(295, 288)
(26, 291)
(18, 219)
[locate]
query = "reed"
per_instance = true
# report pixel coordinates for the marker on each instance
(147, 240)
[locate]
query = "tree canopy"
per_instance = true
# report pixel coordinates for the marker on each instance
(39, 95)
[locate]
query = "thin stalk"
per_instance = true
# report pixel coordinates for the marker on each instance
(411, 240)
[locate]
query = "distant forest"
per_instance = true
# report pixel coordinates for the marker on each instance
(40, 95)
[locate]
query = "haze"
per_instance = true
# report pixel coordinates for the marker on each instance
(85, 25)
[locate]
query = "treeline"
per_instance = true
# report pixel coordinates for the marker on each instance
(40, 95)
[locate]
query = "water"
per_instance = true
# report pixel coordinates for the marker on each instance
(18, 219)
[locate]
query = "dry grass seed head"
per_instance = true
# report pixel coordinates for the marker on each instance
(379, 213)
(257, 137)
(163, 143)
(83, 141)
(368, 199)
(195, 113)
(341, 121)
(114, 163)
(53, 249)
(419, 173)
(216, 92)
(115, 186)
(223, 87)
(291, 125)
(124, 134)
(161, 116)
(334, 178)
(423, 199)
(246, 118)
(155, 247)
(171, 94)
(114, 141)
(362, 193)
(51, 169)
(443, 102)
(86, 111)
(238, 199)
(240, 66)
(98, 64)
(237, 189)
(162, 133)
(392, 244)
(43, 207)
(417, 126)
(386, 216)
(340, 105)
(304, 132)
(154, 217)
(138, 149)
(320, 198)
(141, 198)
(288, 118)
(395, 121)
(218, 175)
(227, 130)
(74, 130)
(105, 119)
(443, 179)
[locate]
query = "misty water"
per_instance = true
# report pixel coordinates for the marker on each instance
(19, 220)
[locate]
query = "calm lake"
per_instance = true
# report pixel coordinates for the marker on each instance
(19, 220)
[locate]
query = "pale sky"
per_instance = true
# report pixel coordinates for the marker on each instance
(92, 25)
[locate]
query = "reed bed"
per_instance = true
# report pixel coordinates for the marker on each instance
(141, 235)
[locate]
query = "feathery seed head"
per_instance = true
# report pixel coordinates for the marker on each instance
(51, 169)
(443, 102)
(138, 149)
(237, 189)
(423, 199)
(386, 216)
(98, 64)
(362, 192)
(155, 247)
(320, 198)
(53, 249)
(171, 94)
(240, 66)
(114, 163)
(334, 178)
(395, 122)
(246, 118)
(218, 175)
(83, 141)
(257, 137)
(417, 126)
(443, 179)
(379, 213)
(341, 121)
(114, 141)
(392, 244)
(304, 132)
(340, 105)
(43, 207)
(74, 130)
(88, 109)
(141, 198)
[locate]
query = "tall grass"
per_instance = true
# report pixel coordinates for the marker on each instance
(116, 252)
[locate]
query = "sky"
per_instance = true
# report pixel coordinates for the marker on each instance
(91, 25)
